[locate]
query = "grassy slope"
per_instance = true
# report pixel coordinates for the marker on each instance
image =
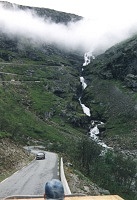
(35, 97)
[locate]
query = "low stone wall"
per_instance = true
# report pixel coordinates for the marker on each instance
(63, 179)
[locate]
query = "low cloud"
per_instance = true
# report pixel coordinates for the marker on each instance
(86, 35)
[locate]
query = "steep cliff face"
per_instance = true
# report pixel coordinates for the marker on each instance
(117, 62)
(111, 92)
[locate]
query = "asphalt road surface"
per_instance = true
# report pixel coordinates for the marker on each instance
(31, 179)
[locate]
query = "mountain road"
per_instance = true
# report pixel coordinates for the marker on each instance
(31, 179)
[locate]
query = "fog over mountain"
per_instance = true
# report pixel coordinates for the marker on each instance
(95, 35)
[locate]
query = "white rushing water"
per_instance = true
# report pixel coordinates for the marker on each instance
(86, 110)
(94, 131)
(84, 85)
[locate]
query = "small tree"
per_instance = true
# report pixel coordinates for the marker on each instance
(88, 152)
(124, 170)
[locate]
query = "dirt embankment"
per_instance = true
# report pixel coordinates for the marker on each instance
(79, 184)
(12, 157)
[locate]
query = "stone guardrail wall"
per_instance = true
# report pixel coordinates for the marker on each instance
(63, 179)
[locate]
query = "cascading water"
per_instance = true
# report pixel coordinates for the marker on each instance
(86, 110)
(94, 131)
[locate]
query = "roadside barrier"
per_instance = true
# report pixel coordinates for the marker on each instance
(63, 179)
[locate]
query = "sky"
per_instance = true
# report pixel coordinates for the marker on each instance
(105, 23)
(87, 8)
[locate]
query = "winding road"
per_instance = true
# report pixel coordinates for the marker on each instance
(31, 179)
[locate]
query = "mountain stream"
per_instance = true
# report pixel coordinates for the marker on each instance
(94, 131)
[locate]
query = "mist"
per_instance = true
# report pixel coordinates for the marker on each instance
(86, 35)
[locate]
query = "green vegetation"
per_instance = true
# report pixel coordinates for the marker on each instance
(113, 171)
(112, 105)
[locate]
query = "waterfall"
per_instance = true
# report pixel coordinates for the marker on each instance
(94, 131)
(86, 110)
